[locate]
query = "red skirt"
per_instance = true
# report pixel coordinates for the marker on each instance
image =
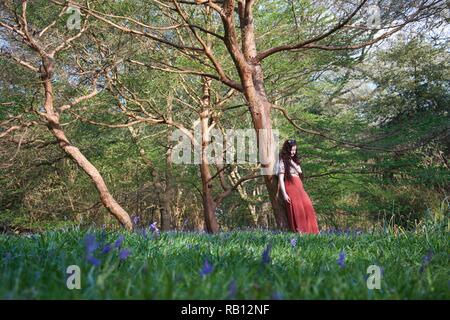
(301, 214)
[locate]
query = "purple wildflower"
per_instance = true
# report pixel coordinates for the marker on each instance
(266, 254)
(107, 248)
(277, 296)
(341, 259)
(136, 220)
(93, 260)
(426, 261)
(293, 242)
(153, 227)
(206, 269)
(124, 254)
(232, 289)
(119, 241)
(90, 243)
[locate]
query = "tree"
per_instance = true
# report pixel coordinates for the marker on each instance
(36, 48)
(348, 33)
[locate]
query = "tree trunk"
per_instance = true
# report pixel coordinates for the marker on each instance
(168, 196)
(244, 196)
(260, 111)
(55, 128)
(252, 80)
(209, 205)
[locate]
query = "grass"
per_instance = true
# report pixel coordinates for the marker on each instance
(169, 266)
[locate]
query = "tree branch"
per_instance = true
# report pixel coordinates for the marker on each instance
(266, 53)
(312, 43)
(223, 195)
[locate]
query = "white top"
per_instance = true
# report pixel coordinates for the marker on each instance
(295, 169)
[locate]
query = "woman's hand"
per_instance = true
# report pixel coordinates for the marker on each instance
(286, 198)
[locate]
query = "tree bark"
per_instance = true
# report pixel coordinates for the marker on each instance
(260, 108)
(209, 205)
(252, 79)
(262, 122)
(168, 196)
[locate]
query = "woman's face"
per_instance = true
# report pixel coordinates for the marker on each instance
(293, 150)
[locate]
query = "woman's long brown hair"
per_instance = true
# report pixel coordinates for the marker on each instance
(285, 156)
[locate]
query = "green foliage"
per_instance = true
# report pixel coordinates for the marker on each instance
(414, 266)
(403, 107)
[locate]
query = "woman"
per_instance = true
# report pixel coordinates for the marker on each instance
(301, 214)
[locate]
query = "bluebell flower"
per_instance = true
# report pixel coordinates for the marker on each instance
(124, 254)
(293, 242)
(232, 289)
(426, 261)
(206, 269)
(266, 254)
(153, 227)
(93, 260)
(107, 248)
(136, 220)
(341, 259)
(90, 243)
(277, 296)
(427, 258)
(119, 241)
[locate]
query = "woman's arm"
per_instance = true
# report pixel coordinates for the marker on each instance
(283, 188)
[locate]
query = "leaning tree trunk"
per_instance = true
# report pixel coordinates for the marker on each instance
(260, 109)
(55, 128)
(262, 121)
(252, 80)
